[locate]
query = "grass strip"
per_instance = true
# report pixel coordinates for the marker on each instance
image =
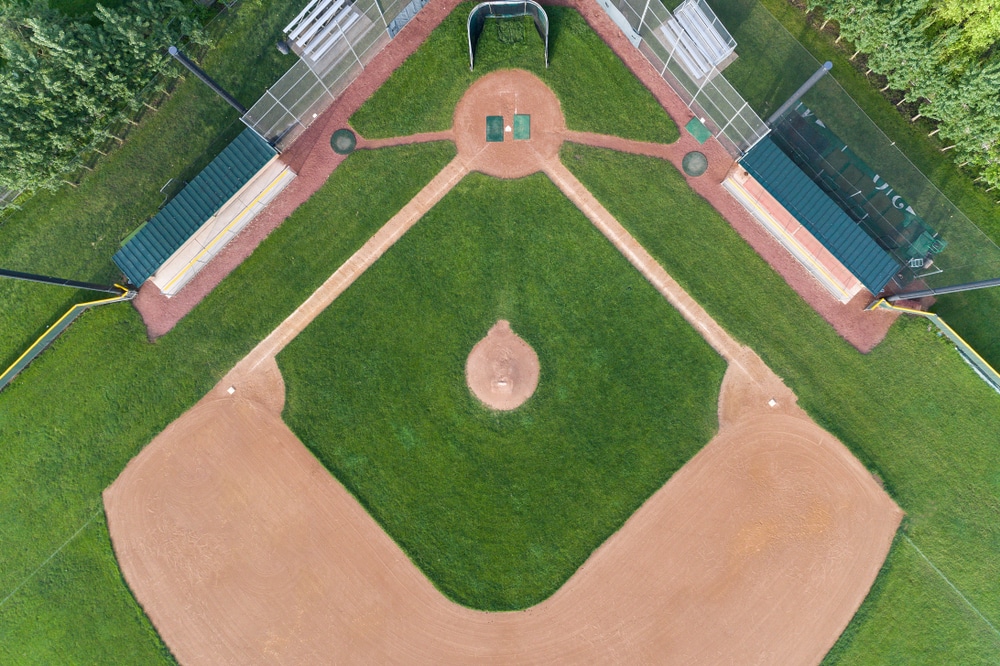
(499, 508)
(911, 410)
(911, 616)
(76, 416)
(597, 92)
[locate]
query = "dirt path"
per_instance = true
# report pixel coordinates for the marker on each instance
(243, 549)
(351, 269)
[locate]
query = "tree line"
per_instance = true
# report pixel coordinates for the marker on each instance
(64, 82)
(944, 55)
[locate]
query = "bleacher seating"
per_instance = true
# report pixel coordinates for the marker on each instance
(697, 40)
(320, 26)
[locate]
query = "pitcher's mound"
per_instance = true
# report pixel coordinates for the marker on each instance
(502, 369)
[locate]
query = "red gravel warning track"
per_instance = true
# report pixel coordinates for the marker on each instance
(313, 160)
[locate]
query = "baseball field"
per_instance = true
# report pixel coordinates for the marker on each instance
(496, 510)
(501, 509)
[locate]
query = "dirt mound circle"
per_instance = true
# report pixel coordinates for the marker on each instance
(502, 369)
(506, 94)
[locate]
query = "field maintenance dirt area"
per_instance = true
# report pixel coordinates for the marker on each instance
(243, 549)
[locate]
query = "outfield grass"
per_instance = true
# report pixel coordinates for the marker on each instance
(769, 69)
(911, 410)
(597, 92)
(499, 508)
(73, 233)
(74, 418)
(936, 626)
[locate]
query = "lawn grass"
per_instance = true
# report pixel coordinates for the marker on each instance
(911, 410)
(910, 618)
(100, 623)
(74, 418)
(771, 65)
(498, 509)
(73, 233)
(597, 92)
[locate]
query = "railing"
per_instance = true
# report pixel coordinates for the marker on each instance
(710, 96)
(39, 345)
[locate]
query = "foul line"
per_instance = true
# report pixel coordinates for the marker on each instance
(49, 558)
(952, 585)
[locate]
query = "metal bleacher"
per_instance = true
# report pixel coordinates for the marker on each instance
(320, 26)
(697, 39)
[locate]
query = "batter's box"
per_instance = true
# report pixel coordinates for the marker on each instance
(522, 126)
(494, 128)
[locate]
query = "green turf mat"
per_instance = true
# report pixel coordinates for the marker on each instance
(494, 128)
(522, 126)
(698, 130)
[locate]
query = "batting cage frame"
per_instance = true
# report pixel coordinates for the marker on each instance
(505, 9)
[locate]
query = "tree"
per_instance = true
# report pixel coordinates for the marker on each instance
(64, 82)
(977, 23)
(940, 53)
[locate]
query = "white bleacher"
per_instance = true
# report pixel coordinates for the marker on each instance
(698, 40)
(320, 26)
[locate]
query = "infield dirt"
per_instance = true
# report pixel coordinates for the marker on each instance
(243, 549)
(502, 369)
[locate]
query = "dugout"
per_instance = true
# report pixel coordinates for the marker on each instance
(193, 227)
(809, 223)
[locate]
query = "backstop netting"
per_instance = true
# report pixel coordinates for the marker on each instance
(333, 40)
(834, 142)
(690, 47)
(504, 9)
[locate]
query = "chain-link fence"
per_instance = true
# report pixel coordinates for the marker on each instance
(7, 197)
(355, 34)
(672, 42)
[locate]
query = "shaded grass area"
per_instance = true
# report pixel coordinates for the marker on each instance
(74, 418)
(911, 410)
(499, 508)
(81, 7)
(770, 68)
(73, 233)
(597, 92)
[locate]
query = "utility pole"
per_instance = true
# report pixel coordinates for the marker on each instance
(206, 79)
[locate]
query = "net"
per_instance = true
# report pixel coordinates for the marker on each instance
(832, 139)
(508, 32)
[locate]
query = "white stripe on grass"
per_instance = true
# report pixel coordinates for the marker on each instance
(49, 558)
(952, 585)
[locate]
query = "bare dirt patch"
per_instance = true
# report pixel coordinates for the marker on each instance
(503, 94)
(243, 549)
(502, 369)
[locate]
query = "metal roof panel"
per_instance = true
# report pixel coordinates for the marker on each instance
(202, 198)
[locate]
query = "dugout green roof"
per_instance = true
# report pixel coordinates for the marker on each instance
(820, 215)
(142, 254)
